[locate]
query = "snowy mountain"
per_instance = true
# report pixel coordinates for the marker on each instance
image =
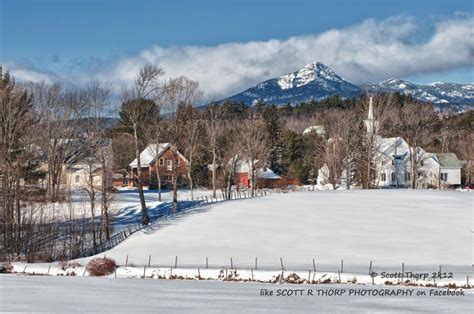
(458, 96)
(314, 81)
(317, 81)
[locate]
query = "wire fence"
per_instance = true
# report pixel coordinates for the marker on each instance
(168, 210)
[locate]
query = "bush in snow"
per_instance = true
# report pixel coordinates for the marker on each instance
(101, 266)
(6, 269)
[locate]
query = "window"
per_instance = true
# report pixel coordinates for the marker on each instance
(162, 162)
(383, 177)
(77, 178)
(407, 176)
(383, 162)
(444, 176)
(169, 165)
(393, 177)
(422, 163)
(177, 162)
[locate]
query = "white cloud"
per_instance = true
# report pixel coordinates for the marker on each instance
(367, 52)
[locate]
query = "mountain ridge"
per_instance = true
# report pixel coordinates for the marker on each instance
(316, 81)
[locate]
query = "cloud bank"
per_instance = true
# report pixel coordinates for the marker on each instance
(371, 51)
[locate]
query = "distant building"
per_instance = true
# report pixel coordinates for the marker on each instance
(81, 168)
(79, 175)
(265, 177)
(163, 155)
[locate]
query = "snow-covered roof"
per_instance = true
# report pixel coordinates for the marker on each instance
(82, 168)
(390, 146)
(449, 160)
(267, 173)
(244, 166)
(149, 154)
(319, 129)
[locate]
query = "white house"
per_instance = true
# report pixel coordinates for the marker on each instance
(393, 163)
(450, 169)
(78, 176)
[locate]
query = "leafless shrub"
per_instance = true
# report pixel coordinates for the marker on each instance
(101, 266)
(6, 269)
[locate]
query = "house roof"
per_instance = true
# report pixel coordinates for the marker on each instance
(449, 160)
(82, 168)
(391, 145)
(244, 166)
(150, 153)
(267, 173)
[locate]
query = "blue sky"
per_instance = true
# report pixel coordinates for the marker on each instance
(75, 40)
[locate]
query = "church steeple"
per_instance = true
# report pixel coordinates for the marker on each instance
(371, 124)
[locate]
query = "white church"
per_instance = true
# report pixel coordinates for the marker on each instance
(392, 163)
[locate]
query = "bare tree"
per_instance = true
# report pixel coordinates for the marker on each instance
(59, 112)
(181, 94)
(17, 122)
(139, 106)
(192, 143)
(97, 102)
(214, 122)
(255, 147)
(123, 152)
(229, 154)
(415, 123)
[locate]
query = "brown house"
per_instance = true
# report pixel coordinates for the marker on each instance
(163, 153)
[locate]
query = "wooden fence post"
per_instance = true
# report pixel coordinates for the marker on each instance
(149, 260)
(176, 262)
(256, 263)
(342, 265)
(231, 264)
(126, 261)
(207, 263)
(281, 263)
(314, 265)
(370, 268)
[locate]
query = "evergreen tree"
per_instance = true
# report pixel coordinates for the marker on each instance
(274, 125)
(294, 154)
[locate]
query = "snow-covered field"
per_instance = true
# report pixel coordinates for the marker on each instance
(77, 294)
(422, 229)
(388, 227)
(122, 203)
